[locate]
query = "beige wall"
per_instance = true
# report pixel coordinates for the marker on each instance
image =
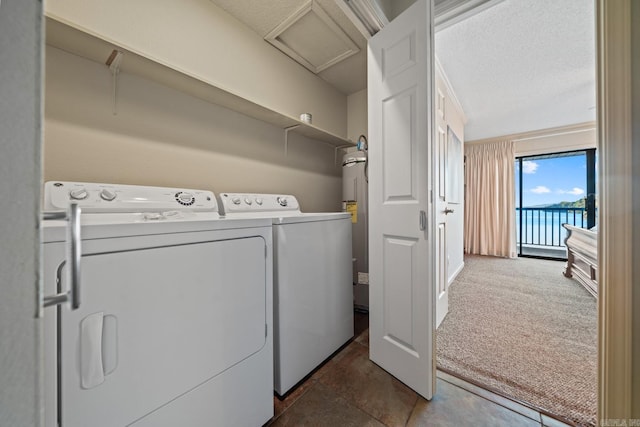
(357, 122)
(201, 40)
(393, 8)
(387, 8)
(166, 138)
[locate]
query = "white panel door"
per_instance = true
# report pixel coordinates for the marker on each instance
(400, 90)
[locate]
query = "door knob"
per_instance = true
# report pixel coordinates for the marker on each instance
(447, 211)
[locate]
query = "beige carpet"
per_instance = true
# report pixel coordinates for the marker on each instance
(519, 327)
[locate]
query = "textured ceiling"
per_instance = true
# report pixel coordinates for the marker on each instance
(517, 66)
(348, 76)
(522, 65)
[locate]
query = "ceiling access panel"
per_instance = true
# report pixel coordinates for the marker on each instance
(312, 38)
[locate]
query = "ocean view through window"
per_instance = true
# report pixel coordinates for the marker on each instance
(551, 190)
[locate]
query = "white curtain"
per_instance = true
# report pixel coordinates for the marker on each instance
(489, 215)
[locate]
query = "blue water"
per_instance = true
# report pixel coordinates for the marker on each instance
(541, 227)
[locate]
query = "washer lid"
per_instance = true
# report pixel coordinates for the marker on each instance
(311, 217)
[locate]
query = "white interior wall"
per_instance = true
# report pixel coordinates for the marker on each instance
(571, 141)
(554, 140)
(163, 137)
(203, 41)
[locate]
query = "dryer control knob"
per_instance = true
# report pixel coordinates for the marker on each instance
(107, 195)
(282, 201)
(79, 194)
(259, 201)
(236, 200)
(247, 200)
(185, 199)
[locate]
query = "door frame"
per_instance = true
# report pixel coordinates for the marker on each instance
(21, 92)
(616, 245)
(614, 143)
(616, 242)
(615, 189)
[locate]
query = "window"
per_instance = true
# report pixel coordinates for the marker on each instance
(551, 190)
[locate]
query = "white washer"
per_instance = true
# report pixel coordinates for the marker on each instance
(174, 325)
(313, 296)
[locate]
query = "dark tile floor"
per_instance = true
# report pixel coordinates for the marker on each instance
(350, 390)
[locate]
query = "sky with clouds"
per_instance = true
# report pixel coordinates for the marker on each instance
(548, 181)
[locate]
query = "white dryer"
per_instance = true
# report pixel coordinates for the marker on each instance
(313, 296)
(173, 317)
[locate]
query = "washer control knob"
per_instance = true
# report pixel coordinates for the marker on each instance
(248, 200)
(79, 194)
(282, 201)
(107, 195)
(236, 200)
(259, 201)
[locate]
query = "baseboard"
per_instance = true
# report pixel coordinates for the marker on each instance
(455, 273)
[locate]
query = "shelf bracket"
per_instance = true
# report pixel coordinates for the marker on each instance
(286, 137)
(335, 152)
(113, 62)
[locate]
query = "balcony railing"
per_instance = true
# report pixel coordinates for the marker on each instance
(543, 226)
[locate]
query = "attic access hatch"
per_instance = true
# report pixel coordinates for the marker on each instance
(312, 38)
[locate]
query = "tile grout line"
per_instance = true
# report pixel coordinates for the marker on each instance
(273, 420)
(313, 376)
(358, 407)
(355, 405)
(315, 381)
(413, 408)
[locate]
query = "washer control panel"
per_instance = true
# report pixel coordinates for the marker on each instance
(249, 202)
(95, 197)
